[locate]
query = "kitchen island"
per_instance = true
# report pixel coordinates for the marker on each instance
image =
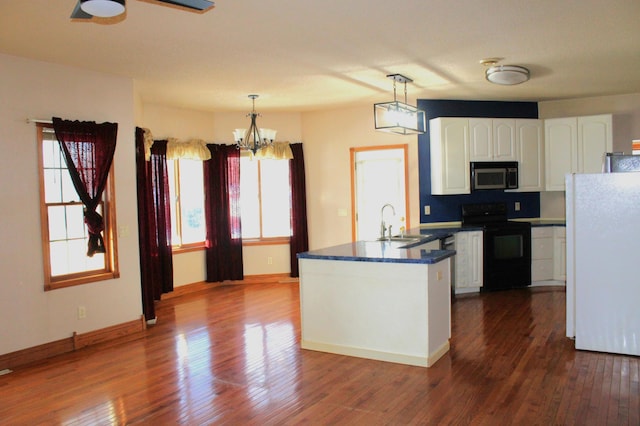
(383, 300)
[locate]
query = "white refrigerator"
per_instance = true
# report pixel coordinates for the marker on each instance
(603, 261)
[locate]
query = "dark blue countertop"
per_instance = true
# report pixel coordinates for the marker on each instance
(380, 251)
(403, 252)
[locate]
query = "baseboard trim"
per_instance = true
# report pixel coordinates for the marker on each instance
(75, 342)
(121, 331)
(399, 358)
(118, 331)
(249, 279)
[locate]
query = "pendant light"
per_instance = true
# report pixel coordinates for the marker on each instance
(254, 138)
(398, 117)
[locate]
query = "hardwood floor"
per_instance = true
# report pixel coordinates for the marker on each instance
(231, 355)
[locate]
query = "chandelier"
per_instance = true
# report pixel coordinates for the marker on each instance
(253, 139)
(399, 117)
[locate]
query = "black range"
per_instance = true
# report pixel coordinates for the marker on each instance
(507, 246)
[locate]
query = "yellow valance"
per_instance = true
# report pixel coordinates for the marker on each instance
(196, 149)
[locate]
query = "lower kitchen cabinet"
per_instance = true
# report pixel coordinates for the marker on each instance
(469, 258)
(542, 249)
(559, 254)
(548, 255)
(548, 258)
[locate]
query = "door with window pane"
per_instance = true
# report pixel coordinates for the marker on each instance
(379, 179)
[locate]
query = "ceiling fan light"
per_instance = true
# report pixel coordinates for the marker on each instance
(507, 75)
(103, 8)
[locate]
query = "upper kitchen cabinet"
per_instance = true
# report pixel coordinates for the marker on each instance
(575, 145)
(530, 155)
(492, 139)
(595, 139)
(450, 158)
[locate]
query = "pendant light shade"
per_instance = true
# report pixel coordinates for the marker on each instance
(398, 117)
(102, 8)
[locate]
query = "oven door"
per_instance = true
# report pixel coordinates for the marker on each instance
(507, 256)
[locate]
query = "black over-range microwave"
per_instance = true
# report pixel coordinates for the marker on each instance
(494, 175)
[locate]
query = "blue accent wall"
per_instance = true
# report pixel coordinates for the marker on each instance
(446, 208)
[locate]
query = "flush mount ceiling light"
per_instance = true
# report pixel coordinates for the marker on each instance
(507, 75)
(87, 9)
(102, 8)
(398, 117)
(254, 139)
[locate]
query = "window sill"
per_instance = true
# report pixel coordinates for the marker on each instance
(247, 242)
(187, 248)
(267, 241)
(79, 280)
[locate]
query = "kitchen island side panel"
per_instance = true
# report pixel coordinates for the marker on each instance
(374, 310)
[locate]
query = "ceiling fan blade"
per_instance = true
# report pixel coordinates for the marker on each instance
(191, 4)
(79, 13)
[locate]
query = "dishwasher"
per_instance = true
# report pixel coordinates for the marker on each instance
(449, 243)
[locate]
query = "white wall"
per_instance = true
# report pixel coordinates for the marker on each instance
(31, 316)
(626, 127)
(328, 135)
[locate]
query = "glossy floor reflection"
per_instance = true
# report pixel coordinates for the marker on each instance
(231, 355)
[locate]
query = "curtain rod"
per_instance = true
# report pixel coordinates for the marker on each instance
(37, 120)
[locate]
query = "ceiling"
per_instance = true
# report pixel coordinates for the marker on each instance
(311, 55)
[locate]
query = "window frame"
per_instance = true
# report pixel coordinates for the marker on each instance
(263, 241)
(111, 270)
(182, 248)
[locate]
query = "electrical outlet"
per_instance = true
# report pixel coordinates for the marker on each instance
(82, 312)
(123, 231)
(427, 210)
(270, 260)
(517, 206)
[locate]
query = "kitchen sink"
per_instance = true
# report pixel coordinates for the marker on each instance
(409, 240)
(403, 239)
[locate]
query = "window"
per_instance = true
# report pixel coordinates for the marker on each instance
(265, 199)
(186, 188)
(64, 233)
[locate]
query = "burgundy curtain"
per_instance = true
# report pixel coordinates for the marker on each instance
(88, 151)
(222, 214)
(154, 224)
(299, 234)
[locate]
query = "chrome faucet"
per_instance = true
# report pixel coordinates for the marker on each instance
(383, 225)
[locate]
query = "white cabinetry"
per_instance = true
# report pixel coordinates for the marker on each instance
(530, 155)
(480, 139)
(548, 255)
(559, 254)
(450, 156)
(575, 145)
(492, 139)
(595, 138)
(468, 268)
(542, 253)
